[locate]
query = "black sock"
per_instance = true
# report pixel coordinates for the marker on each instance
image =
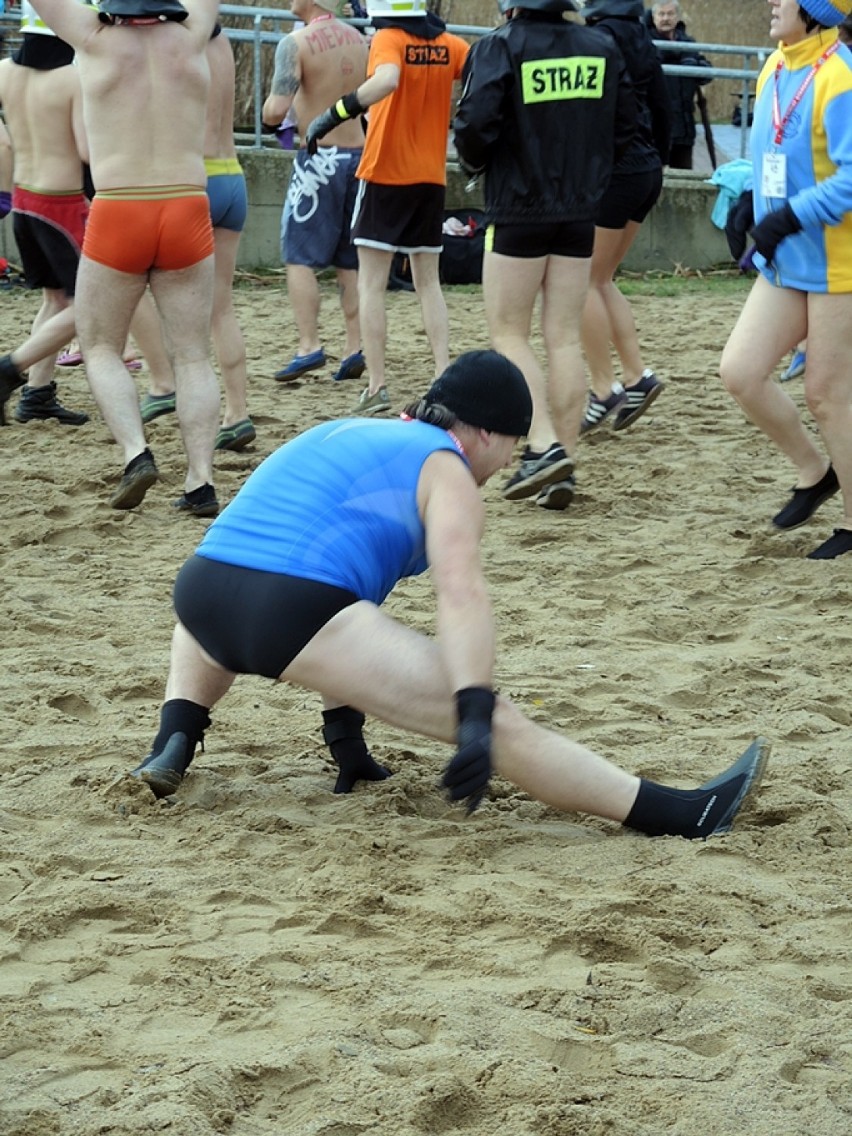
(342, 732)
(145, 456)
(180, 716)
(694, 813)
(202, 495)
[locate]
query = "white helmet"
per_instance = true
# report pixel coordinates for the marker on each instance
(399, 9)
(31, 21)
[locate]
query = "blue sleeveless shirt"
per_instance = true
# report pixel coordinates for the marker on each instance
(337, 504)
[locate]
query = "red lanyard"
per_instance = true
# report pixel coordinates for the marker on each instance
(779, 124)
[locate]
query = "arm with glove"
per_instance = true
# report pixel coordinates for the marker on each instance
(454, 516)
(772, 229)
(381, 84)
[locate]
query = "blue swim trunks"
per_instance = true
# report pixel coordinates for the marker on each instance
(226, 192)
(315, 225)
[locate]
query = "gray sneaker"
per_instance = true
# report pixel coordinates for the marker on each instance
(537, 471)
(557, 496)
(370, 404)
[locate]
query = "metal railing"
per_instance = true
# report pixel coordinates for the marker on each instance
(266, 27)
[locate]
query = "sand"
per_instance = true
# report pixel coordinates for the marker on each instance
(256, 956)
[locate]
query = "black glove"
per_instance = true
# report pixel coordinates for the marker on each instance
(467, 775)
(347, 107)
(771, 231)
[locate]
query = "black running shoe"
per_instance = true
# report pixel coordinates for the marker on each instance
(138, 477)
(637, 400)
(537, 471)
(557, 496)
(599, 409)
(805, 502)
(200, 502)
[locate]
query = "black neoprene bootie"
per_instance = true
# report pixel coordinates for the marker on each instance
(182, 726)
(342, 732)
(37, 404)
(709, 810)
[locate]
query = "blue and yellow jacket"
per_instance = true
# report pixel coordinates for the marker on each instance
(817, 144)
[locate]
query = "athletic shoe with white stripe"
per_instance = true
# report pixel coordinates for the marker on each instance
(638, 398)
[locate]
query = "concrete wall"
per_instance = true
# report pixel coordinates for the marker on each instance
(678, 232)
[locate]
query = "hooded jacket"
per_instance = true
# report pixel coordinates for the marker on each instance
(624, 21)
(546, 107)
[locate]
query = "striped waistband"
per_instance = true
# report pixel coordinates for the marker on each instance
(74, 193)
(151, 192)
(215, 166)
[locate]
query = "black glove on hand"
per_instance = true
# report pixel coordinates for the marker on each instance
(771, 231)
(467, 775)
(347, 107)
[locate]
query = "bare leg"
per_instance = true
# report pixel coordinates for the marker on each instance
(228, 339)
(607, 317)
(185, 302)
(347, 279)
(303, 292)
(364, 658)
(193, 674)
(373, 272)
(105, 302)
(510, 287)
(52, 328)
(427, 285)
(828, 384)
(147, 330)
(772, 321)
(563, 296)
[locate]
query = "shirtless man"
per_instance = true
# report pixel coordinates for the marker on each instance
(226, 191)
(40, 95)
(314, 67)
(144, 76)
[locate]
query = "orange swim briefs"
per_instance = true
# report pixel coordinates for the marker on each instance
(139, 228)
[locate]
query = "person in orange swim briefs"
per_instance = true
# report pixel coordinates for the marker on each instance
(149, 222)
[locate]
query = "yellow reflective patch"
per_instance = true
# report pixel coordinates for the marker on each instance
(555, 80)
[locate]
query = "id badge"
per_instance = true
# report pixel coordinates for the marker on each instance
(773, 182)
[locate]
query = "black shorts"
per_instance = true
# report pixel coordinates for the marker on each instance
(253, 622)
(630, 197)
(399, 218)
(556, 238)
(49, 232)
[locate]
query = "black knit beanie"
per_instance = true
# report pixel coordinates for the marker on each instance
(484, 388)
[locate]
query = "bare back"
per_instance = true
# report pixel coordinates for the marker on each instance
(327, 59)
(219, 131)
(40, 108)
(144, 104)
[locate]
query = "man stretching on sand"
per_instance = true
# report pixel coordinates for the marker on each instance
(145, 78)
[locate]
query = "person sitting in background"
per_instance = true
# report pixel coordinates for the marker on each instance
(665, 21)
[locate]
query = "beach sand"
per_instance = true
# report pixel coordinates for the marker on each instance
(256, 956)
